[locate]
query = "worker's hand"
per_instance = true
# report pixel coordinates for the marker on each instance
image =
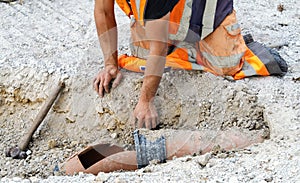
(102, 81)
(146, 115)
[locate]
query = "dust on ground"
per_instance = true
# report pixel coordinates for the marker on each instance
(47, 41)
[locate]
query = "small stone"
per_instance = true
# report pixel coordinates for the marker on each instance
(280, 7)
(65, 76)
(154, 162)
(70, 120)
(269, 179)
(248, 124)
(52, 144)
(68, 150)
(114, 135)
(81, 174)
(251, 175)
(233, 160)
(186, 159)
(16, 179)
(90, 178)
(74, 143)
(216, 149)
(222, 155)
(19, 77)
(147, 170)
(241, 169)
(203, 160)
(22, 162)
(209, 165)
(44, 163)
(246, 151)
(26, 181)
(34, 179)
(233, 179)
(50, 71)
(3, 173)
(119, 180)
(4, 179)
(28, 152)
(102, 177)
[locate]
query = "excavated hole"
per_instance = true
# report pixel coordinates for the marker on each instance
(214, 106)
(185, 101)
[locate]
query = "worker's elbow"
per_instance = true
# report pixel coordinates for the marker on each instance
(101, 14)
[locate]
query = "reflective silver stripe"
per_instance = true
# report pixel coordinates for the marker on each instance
(222, 61)
(192, 53)
(248, 69)
(197, 67)
(209, 17)
(190, 47)
(184, 22)
(138, 4)
(232, 28)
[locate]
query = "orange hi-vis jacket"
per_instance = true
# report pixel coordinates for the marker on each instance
(218, 48)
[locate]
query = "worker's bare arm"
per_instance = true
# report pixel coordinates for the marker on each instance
(157, 34)
(107, 34)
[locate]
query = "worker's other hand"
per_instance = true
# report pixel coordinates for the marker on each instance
(146, 115)
(110, 76)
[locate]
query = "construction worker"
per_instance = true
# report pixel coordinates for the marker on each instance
(156, 32)
(184, 34)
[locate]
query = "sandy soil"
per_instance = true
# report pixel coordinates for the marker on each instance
(42, 42)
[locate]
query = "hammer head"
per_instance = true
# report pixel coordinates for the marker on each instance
(15, 153)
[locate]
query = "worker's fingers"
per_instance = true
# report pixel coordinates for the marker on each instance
(154, 122)
(100, 92)
(117, 80)
(140, 123)
(96, 84)
(148, 123)
(106, 82)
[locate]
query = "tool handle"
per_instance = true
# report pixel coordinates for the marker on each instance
(41, 115)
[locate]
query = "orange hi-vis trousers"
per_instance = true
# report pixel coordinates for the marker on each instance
(223, 52)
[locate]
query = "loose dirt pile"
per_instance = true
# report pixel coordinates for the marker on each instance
(47, 41)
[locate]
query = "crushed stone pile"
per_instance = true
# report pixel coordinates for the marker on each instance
(43, 42)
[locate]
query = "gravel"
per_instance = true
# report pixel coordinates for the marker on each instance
(42, 42)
